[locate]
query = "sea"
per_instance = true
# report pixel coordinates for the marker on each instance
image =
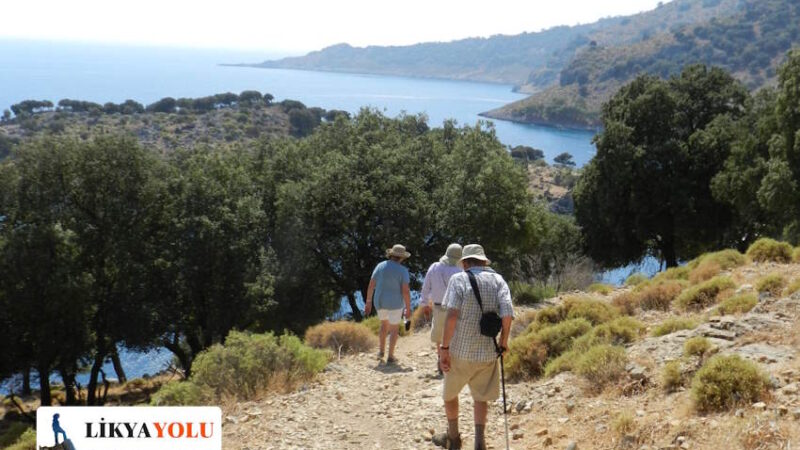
(101, 73)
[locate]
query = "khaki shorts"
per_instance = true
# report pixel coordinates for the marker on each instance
(483, 379)
(394, 316)
(439, 317)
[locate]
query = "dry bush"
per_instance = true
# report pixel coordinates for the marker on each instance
(672, 325)
(558, 338)
(182, 393)
(673, 273)
(374, 325)
(521, 323)
(705, 271)
(796, 255)
(671, 377)
(660, 296)
(726, 259)
(623, 424)
(636, 279)
(696, 346)
(526, 358)
(600, 288)
(704, 294)
(595, 311)
(766, 249)
(764, 434)
(420, 318)
(772, 284)
(793, 287)
(738, 304)
(342, 336)
(622, 330)
(601, 365)
(627, 303)
(725, 382)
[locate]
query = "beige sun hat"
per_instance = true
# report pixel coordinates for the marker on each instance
(398, 251)
(452, 255)
(474, 251)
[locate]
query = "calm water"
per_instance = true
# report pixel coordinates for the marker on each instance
(45, 71)
(36, 70)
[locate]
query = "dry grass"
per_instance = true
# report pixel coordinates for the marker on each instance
(726, 259)
(793, 287)
(766, 249)
(660, 295)
(671, 377)
(636, 279)
(796, 255)
(420, 318)
(725, 382)
(674, 324)
(341, 337)
(521, 323)
(705, 271)
(696, 346)
(772, 284)
(623, 424)
(764, 434)
(600, 288)
(602, 365)
(673, 273)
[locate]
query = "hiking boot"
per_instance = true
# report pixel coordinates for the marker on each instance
(380, 355)
(444, 441)
(391, 360)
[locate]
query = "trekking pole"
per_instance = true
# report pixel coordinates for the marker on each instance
(505, 410)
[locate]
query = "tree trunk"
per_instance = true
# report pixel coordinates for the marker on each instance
(91, 388)
(668, 252)
(357, 316)
(118, 366)
(26, 382)
(69, 386)
(44, 386)
(183, 357)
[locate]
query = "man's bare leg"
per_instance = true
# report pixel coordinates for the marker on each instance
(481, 411)
(393, 332)
(382, 335)
(451, 411)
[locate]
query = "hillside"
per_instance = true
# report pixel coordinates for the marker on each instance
(750, 44)
(531, 61)
(360, 403)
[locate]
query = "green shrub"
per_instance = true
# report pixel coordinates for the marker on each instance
(793, 287)
(182, 393)
(529, 294)
(772, 284)
(549, 316)
(636, 279)
(342, 336)
(672, 325)
(600, 288)
(671, 378)
(627, 303)
(623, 424)
(738, 304)
(602, 364)
(703, 295)
(526, 357)
(796, 255)
(725, 382)
(622, 330)
(766, 249)
(595, 311)
(673, 273)
(660, 295)
(12, 434)
(705, 271)
(726, 259)
(249, 364)
(558, 338)
(26, 441)
(696, 346)
(563, 363)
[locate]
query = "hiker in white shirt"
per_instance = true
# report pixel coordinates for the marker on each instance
(433, 289)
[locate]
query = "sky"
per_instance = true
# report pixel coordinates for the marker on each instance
(293, 26)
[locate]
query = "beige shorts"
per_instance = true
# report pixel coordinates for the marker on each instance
(483, 379)
(439, 317)
(394, 316)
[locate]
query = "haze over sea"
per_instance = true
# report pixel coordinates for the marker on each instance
(53, 71)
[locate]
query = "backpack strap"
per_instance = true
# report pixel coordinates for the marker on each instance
(475, 289)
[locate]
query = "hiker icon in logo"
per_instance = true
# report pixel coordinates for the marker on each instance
(57, 428)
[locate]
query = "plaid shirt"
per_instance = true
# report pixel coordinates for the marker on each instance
(468, 343)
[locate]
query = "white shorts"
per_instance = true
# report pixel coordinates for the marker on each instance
(394, 316)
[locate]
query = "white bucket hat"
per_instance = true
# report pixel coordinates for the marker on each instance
(474, 251)
(452, 255)
(398, 251)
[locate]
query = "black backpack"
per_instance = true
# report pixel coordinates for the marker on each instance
(490, 323)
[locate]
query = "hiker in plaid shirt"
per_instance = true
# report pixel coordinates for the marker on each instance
(468, 357)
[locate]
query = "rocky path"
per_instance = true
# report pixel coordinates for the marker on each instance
(358, 403)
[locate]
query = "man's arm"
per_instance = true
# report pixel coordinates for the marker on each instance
(407, 299)
(370, 290)
(427, 300)
(449, 331)
(505, 332)
(506, 312)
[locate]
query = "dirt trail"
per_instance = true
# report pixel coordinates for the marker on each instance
(358, 403)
